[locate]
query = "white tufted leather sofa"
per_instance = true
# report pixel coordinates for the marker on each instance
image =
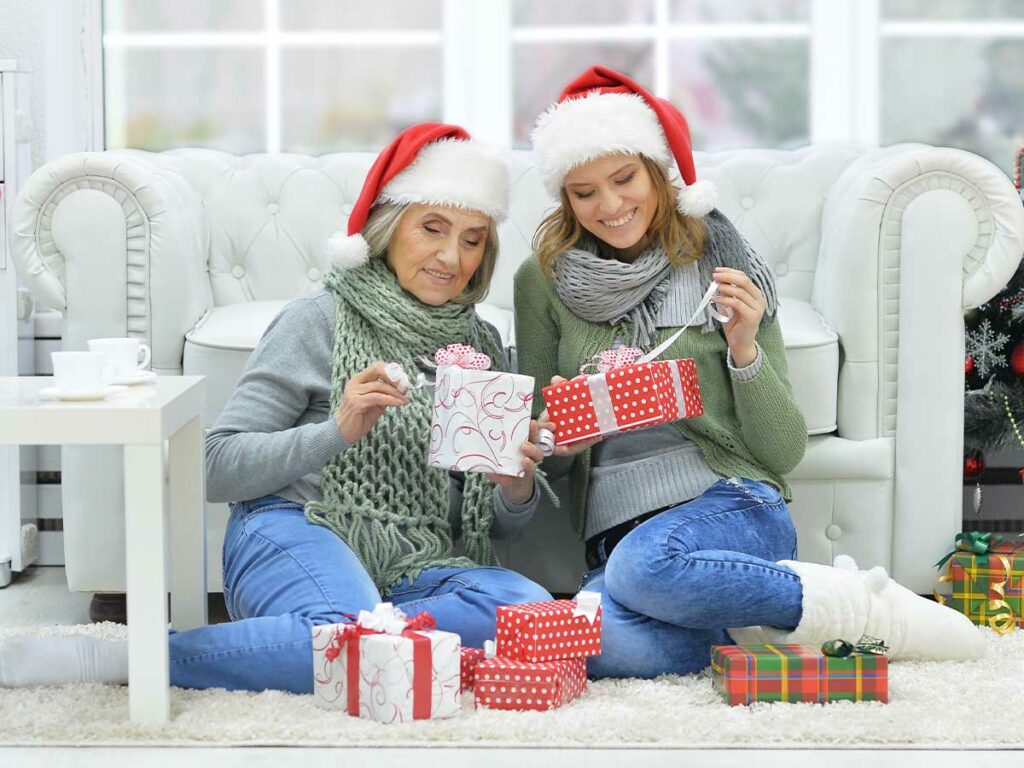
(877, 252)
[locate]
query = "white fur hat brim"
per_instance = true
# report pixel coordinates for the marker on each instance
(463, 174)
(577, 131)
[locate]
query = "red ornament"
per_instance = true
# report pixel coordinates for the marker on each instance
(1017, 359)
(974, 465)
(969, 365)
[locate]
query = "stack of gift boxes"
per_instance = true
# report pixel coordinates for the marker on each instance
(541, 654)
(391, 668)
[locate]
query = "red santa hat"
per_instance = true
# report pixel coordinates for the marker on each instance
(428, 163)
(603, 112)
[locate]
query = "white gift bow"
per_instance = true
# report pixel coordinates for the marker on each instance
(587, 604)
(385, 618)
(722, 318)
(490, 649)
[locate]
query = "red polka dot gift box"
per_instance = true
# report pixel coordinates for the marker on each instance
(623, 398)
(470, 658)
(521, 685)
(556, 629)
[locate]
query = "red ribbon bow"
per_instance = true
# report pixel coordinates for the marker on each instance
(346, 637)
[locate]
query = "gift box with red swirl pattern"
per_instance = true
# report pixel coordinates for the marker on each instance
(386, 667)
(522, 685)
(623, 398)
(481, 417)
(556, 629)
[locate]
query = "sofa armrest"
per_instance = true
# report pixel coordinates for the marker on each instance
(911, 236)
(118, 241)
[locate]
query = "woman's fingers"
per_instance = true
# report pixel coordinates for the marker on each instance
(532, 451)
(379, 400)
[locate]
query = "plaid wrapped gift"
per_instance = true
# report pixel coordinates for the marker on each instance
(555, 629)
(989, 588)
(470, 658)
(520, 685)
(747, 673)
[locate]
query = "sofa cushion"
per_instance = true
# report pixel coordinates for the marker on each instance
(219, 346)
(812, 352)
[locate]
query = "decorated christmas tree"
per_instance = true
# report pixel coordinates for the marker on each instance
(994, 368)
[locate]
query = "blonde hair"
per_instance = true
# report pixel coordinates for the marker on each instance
(382, 224)
(680, 236)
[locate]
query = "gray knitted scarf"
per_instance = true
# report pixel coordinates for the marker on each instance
(380, 496)
(610, 291)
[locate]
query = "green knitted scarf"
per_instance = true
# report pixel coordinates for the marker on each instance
(380, 496)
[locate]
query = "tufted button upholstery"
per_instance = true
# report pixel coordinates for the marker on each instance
(273, 208)
(313, 274)
(861, 239)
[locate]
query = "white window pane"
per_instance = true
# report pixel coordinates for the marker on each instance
(955, 92)
(182, 15)
(543, 13)
(356, 98)
(348, 15)
(541, 70)
(740, 11)
(964, 10)
(742, 93)
(182, 97)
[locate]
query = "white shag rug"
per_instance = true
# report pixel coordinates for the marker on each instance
(948, 704)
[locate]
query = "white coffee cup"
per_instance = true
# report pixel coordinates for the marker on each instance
(77, 371)
(122, 355)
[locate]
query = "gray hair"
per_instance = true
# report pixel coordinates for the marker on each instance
(382, 225)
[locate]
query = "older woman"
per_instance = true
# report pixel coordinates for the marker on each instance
(323, 456)
(688, 534)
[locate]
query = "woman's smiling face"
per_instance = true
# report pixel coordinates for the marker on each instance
(615, 200)
(436, 250)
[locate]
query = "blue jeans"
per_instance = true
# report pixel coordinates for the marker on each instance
(673, 584)
(283, 575)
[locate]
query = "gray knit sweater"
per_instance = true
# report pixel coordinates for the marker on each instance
(277, 431)
(638, 472)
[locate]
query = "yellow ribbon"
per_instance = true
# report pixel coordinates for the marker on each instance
(1004, 621)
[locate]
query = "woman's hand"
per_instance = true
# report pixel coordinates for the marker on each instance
(519, 490)
(572, 449)
(738, 293)
(366, 396)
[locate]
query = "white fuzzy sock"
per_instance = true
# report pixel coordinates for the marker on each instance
(31, 660)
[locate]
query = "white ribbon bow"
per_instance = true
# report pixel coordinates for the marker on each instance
(490, 649)
(587, 604)
(385, 617)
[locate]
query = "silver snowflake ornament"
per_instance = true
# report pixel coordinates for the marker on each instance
(985, 346)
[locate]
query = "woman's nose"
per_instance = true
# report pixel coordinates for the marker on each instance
(610, 202)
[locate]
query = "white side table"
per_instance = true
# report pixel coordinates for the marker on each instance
(140, 419)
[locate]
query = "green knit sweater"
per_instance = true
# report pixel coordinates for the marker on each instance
(752, 429)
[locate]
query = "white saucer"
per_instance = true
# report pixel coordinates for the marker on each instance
(53, 393)
(136, 377)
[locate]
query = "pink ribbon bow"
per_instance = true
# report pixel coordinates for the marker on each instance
(613, 358)
(462, 356)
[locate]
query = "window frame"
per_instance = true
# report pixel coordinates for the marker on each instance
(476, 42)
